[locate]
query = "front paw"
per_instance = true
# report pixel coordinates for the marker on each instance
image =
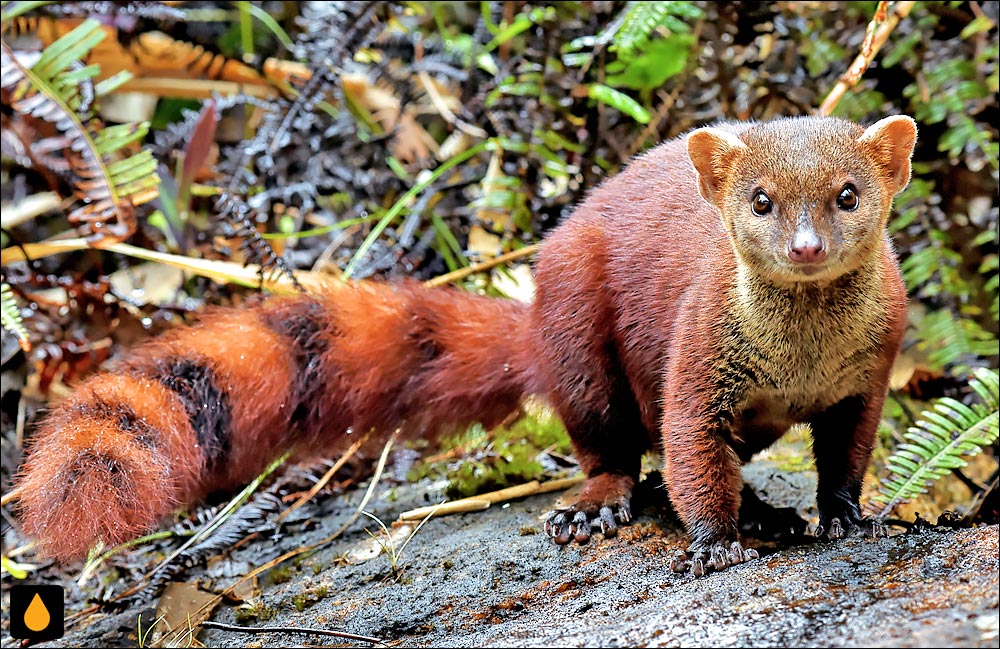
(782, 524)
(577, 522)
(839, 528)
(698, 562)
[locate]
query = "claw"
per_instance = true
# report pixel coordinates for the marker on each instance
(715, 557)
(580, 528)
(609, 527)
(565, 525)
(718, 559)
(849, 526)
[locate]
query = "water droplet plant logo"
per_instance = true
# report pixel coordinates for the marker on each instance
(36, 612)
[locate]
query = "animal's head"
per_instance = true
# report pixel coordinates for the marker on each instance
(806, 198)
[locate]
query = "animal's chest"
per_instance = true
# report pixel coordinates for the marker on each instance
(785, 371)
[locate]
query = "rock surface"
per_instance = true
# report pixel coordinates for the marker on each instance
(492, 579)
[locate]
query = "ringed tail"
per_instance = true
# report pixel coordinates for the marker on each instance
(205, 408)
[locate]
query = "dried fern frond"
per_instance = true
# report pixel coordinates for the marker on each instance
(57, 89)
(941, 441)
(10, 315)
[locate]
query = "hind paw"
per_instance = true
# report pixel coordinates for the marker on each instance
(578, 523)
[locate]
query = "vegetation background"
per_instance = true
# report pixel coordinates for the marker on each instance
(152, 151)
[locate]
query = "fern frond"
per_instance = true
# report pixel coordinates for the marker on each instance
(56, 88)
(951, 341)
(941, 441)
(643, 18)
(10, 314)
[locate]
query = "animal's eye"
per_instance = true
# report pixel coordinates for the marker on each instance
(761, 203)
(847, 200)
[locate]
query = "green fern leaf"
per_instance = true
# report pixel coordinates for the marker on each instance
(941, 441)
(10, 315)
(107, 186)
(641, 19)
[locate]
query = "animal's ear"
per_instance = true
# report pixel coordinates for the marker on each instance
(709, 150)
(891, 141)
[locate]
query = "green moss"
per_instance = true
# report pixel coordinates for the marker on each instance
(308, 597)
(484, 460)
(254, 612)
(281, 574)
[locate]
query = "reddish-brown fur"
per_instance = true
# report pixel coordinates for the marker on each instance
(666, 318)
(384, 357)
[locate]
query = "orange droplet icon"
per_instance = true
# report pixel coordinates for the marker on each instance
(37, 616)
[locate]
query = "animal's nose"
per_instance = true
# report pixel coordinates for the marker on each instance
(806, 247)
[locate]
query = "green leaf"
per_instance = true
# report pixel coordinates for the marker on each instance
(619, 101)
(641, 19)
(112, 83)
(69, 48)
(113, 138)
(662, 59)
(978, 25)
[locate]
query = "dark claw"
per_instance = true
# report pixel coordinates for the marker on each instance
(849, 526)
(580, 528)
(718, 556)
(575, 524)
(553, 523)
(557, 528)
(608, 526)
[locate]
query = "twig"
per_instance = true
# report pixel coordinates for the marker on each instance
(371, 489)
(341, 461)
(654, 124)
(979, 498)
(10, 496)
(18, 212)
(195, 88)
(455, 275)
(877, 33)
(444, 110)
(483, 501)
(292, 629)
